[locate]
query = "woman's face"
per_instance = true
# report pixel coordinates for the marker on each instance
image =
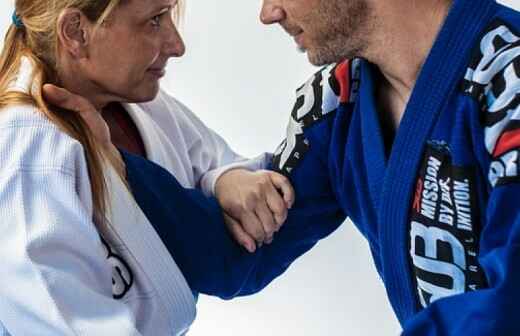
(128, 54)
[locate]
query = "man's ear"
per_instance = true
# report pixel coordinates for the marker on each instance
(73, 30)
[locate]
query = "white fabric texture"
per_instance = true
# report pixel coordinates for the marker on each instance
(58, 276)
(177, 140)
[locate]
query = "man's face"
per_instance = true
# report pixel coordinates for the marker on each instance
(328, 30)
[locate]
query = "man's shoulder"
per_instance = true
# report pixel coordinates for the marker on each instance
(509, 16)
(492, 80)
(325, 91)
(497, 48)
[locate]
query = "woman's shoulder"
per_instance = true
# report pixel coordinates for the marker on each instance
(29, 140)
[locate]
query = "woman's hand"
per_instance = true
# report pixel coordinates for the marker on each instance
(255, 204)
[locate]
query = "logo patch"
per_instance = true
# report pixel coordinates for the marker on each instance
(122, 276)
(444, 228)
(332, 86)
(493, 80)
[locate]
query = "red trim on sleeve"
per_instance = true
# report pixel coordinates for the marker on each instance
(342, 74)
(508, 140)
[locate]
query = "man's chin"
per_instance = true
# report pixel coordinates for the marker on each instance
(316, 59)
(325, 56)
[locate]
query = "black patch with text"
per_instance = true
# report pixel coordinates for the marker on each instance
(444, 228)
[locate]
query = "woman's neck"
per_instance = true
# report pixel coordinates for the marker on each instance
(72, 80)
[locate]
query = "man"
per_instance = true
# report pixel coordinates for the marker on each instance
(414, 134)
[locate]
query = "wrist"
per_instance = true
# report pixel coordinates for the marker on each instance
(227, 178)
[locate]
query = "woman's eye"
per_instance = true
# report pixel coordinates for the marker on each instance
(156, 21)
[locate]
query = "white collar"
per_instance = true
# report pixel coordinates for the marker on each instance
(24, 81)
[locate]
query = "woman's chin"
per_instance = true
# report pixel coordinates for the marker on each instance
(145, 94)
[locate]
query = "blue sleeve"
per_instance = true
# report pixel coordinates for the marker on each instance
(192, 228)
(490, 311)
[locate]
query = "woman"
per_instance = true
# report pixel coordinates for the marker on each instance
(79, 255)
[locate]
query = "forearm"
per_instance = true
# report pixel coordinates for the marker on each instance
(192, 228)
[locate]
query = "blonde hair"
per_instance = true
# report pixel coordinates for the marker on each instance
(37, 40)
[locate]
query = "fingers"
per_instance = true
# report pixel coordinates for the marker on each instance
(69, 101)
(54, 94)
(267, 220)
(277, 206)
(285, 187)
(252, 225)
(72, 102)
(269, 205)
(258, 200)
(239, 234)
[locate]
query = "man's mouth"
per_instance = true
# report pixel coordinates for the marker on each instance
(297, 35)
(299, 39)
(291, 30)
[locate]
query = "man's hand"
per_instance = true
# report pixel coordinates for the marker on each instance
(62, 98)
(72, 102)
(255, 204)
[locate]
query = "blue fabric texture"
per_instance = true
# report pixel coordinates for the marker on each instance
(192, 228)
(439, 210)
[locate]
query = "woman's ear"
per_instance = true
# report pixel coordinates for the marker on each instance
(73, 32)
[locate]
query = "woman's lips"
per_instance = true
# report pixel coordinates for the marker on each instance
(159, 73)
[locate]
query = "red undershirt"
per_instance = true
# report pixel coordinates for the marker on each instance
(123, 131)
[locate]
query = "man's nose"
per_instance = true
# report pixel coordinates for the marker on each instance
(272, 12)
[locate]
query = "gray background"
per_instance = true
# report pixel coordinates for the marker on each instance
(239, 77)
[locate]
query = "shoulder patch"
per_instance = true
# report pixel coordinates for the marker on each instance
(322, 94)
(493, 80)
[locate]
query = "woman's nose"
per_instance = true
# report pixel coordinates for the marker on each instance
(174, 46)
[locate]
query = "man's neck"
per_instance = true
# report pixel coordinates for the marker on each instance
(402, 44)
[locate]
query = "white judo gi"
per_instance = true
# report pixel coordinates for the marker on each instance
(59, 275)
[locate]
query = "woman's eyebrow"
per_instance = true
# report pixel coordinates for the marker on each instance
(160, 5)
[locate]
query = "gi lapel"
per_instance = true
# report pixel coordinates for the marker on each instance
(159, 146)
(438, 80)
(373, 145)
(129, 223)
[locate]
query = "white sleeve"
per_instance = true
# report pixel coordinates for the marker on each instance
(54, 278)
(211, 156)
